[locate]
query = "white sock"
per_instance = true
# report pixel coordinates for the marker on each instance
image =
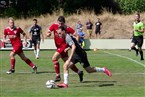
(99, 69)
(38, 50)
(65, 78)
(35, 53)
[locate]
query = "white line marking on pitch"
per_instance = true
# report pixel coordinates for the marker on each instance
(125, 58)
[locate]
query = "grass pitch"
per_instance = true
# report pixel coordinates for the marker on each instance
(128, 78)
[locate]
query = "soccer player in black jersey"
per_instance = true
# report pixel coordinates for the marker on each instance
(35, 35)
(98, 28)
(77, 54)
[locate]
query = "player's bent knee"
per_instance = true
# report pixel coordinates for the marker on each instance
(54, 61)
(65, 65)
(11, 55)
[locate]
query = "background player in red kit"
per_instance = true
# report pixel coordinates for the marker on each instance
(61, 46)
(13, 33)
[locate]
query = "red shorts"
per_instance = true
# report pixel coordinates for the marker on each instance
(61, 52)
(17, 49)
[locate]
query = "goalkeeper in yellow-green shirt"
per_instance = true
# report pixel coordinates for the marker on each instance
(137, 38)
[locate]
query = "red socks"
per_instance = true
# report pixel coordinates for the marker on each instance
(57, 67)
(12, 63)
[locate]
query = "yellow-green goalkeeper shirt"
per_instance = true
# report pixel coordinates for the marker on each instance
(138, 26)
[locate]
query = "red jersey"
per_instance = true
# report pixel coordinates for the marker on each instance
(58, 40)
(14, 36)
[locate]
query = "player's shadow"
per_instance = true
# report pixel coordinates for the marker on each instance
(104, 85)
(43, 72)
(97, 83)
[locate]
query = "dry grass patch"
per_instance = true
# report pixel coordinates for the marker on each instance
(114, 26)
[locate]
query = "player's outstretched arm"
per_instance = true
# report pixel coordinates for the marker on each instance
(42, 36)
(4, 39)
(76, 36)
(30, 35)
(25, 38)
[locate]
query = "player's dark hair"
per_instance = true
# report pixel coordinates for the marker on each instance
(62, 28)
(137, 13)
(61, 19)
(35, 20)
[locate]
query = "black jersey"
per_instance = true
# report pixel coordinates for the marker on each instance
(70, 40)
(80, 55)
(98, 26)
(35, 31)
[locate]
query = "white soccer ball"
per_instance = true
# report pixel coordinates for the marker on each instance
(50, 84)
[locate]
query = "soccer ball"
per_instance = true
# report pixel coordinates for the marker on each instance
(50, 84)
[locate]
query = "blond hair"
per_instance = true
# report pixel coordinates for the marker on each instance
(10, 18)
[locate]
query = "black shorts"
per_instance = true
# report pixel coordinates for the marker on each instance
(137, 40)
(97, 32)
(36, 41)
(82, 58)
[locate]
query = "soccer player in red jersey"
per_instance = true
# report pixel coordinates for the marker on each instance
(14, 33)
(61, 46)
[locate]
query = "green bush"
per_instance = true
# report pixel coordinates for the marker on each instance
(10, 12)
(131, 6)
(27, 8)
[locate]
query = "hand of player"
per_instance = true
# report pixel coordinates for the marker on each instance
(48, 34)
(5, 41)
(25, 44)
(135, 30)
(68, 61)
(66, 49)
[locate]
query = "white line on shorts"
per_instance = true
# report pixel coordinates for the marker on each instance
(125, 58)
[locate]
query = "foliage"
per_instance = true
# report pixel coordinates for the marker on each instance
(131, 6)
(27, 8)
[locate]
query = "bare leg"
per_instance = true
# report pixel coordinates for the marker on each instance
(37, 50)
(134, 48)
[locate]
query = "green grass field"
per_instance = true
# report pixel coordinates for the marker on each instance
(128, 78)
